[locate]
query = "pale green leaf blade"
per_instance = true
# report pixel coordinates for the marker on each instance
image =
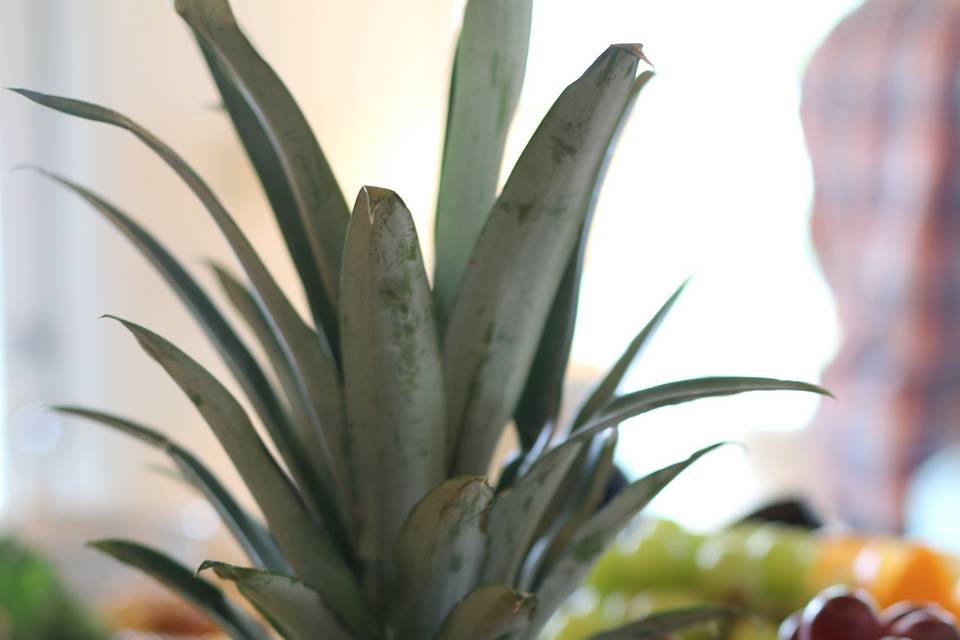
(607, 387)
(640, 402)
(392, 378)
(542, 397)
(197, 591)
(295, 610)
(320, 202)
(309, 354)
(231, 348)
(596, 534)
(487, 78)
(516, 513)
(521, 255)
(437, 555)
(658, 625)
(258, 544)
(309, 549)
(588, 495)
(633, 404)
(269, 168)
(323, 395)
(489, 612)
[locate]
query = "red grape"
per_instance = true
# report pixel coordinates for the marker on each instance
(896, 611)
(926, 624)
(837, 614)
(790, 628)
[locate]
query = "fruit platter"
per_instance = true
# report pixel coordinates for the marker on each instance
(782, 582)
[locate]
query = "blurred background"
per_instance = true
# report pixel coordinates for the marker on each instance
(711, 180)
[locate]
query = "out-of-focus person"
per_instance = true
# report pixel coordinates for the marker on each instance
(881, 114)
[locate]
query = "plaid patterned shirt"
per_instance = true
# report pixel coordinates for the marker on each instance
(881, 113)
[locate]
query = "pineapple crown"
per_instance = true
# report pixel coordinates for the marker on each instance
(391, 398)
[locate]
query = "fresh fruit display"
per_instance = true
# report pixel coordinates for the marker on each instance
(767, 571)
(838, 613)
(388, 402)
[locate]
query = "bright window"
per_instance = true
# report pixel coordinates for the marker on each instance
(711, 180)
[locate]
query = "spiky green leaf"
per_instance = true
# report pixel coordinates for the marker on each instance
(588, 495)
(230, 347)
(658, 625)
(309, 355)
(516, 514)
(255, 540)
(633, 404)
(520, 257)
(295, 610)
(540, 402)
(197, 591)
(605, 390)
(596, 534)
(484, 89)
(310, 549)
(320, 203)
(269, 168)
(392, 378)
(314, 437)
(438, 555)
(489, 612)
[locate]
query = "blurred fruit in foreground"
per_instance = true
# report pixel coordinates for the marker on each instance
(34, 605)
(895, 572)
(659, 554)
(769, 570)
(782, 559)
(753, 629)
(834, 560)
(160, 614)
(840, 614)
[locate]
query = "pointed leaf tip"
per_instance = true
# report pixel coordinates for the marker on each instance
(634, 48)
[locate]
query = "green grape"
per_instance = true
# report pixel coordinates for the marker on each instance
(659, 554)
(753, 629)
(664, 599)
(582, 626)
(723, 569)
(612, 573)
(781, 561)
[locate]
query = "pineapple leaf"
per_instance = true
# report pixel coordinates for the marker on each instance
(514, 529)
(295, 610)
(310, 550)
(540, 402)
(269, 167)
(255, 540)
(320, 204)
(485, 86)
(197, 591)
(231, 348)
(637, 402)
(437, 558)
(309, 355)
(521, 255)
(657, 625)
(563, 504)
(516, 513)
(588, 496)
(489, 612)
(596, 534)
(604, 391)
(392, 379)
(302, 405)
